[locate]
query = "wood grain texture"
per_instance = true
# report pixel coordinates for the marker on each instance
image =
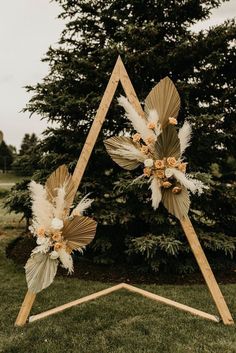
(206, 271)
(137, 290)
(25, 309)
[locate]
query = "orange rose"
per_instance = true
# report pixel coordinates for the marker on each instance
(58, 246)
(172, 121)
(150, 140)
(160, 174)
(182, 167)
(171, 161)
(144, 149)
(56, 236)
(151, 125)
(40, 232)
(176, 190)
(147, 171)
(166, 184)
(159, 164)
(136, 137)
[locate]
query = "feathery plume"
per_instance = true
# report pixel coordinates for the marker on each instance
(156, 193)
(82, 205)
(185, 136)
(137, 121)
(59, 203)
(41, 208)
(66, 260)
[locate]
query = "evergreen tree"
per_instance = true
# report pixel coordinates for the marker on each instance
(154, 39)
(6, 157)
(26, 162)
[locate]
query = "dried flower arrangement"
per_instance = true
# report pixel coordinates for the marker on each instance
(59, 229)
(159, 148)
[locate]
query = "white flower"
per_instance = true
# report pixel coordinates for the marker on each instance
(57, 223)
(54, 255)
(168, 172)
(148, 162)
(42, 240)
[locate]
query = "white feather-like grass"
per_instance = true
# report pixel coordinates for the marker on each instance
(184, 135)
(156, 193)
(153, 117)
(66, 260)
(42, 209)
(129, 151)
(138, 122)
(43, 247)
(194, 185)
(59, 203)
(83, 205)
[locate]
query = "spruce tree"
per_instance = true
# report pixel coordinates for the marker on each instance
(154, 39)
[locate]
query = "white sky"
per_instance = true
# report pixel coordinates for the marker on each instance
(27, 29)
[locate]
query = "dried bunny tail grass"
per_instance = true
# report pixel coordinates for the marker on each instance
(153, 117)
(184, 136)
(41, 208)
(156, 193)
(138, 122)
(194, 185)
(60, 203)
(83, 205)
(66, 260)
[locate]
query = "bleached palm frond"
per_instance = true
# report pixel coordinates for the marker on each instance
(42, 209)
(83, 205)
(185, 136)
(129, 151)
(66, 260)
(60, 203)
(138, 122)
(156, 193)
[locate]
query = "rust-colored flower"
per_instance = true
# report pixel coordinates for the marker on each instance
(160, 173)
(40, 232)
(172, 121)
(136, 137)
(151, 125)
(58, 246)
(176, 190)
(166, 184)
(182, 167)
(171, 161)
(144, 149)
(56, 236)
(159, 164)
(147, 171)
(150, 140)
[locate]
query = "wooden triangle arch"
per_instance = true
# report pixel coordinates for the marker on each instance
(120, 74)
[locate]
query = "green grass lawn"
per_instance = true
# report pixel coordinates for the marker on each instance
(9, 178)
(119, 323)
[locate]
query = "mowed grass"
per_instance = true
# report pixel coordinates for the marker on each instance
(121, 322)
(9, 178)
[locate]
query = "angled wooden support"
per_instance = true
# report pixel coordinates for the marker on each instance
(206, 271)
(130, 288)
(120, 74)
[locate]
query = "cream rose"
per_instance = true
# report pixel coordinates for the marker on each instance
(148, 162)
(168, 172)
(57, 223)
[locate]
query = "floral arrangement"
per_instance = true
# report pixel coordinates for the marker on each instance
(58, 227)
(158, 148)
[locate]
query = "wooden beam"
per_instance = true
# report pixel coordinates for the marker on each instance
(170, 302)
(25, 309)
(206, 271)
(107, 291)
(75, 302)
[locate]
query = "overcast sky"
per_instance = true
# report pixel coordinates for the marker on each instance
(27, 28)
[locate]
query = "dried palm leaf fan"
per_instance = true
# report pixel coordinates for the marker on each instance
(158, 148)
(58, 230)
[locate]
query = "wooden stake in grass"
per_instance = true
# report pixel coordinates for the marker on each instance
(120, 74)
